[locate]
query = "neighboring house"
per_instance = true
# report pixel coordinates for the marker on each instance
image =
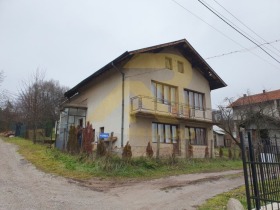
(160, 93)
(258, 114)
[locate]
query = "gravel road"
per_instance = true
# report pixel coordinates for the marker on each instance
(22, 186)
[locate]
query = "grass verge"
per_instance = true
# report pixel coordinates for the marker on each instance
(220, 201)
(81, 167)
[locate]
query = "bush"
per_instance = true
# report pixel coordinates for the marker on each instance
(87, 139)
(101, 149)
(127, 154)
(72, 144)
(221, 152)
(149, 150)
(190, 151)
(229, 153)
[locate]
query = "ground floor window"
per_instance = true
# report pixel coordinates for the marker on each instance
(167, 133)
(196, 136)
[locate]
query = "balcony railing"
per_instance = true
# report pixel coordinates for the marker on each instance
(146, 105)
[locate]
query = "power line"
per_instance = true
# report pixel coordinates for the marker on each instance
(238, 31)
(244, 24)
(258, 42)
(241, 50)
(193, 14)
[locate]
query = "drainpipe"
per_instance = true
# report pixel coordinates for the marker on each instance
(122, 123)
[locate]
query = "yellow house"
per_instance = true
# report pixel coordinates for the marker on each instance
(159, 94)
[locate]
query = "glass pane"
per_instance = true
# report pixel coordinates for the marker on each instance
(161, 132)
(173, 94)
(159, 92)
(154, 132)
(203, 136)
(73, 111)
(166, 94)
(186, 95)
(154, 92)
(192, 136)
(167, 134)
(196, 100)
(191, 99)
(198, 136)
(200, 102)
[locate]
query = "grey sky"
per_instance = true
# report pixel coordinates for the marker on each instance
(72, 39)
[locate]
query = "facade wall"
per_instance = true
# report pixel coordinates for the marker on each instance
(103, 99)
(148, 67)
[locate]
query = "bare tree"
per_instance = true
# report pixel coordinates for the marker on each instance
(39, 100)
(260, 114)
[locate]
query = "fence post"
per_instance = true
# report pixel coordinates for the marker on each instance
(158, 145)
(254, 172)
(243, 149)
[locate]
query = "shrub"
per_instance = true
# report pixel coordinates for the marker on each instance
(72, 144)
(149, 150)
(101, 149)
(87, 139)
(221, 152)
(127, 151)
(229, 153)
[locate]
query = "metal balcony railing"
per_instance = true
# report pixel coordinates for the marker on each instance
(148, 105)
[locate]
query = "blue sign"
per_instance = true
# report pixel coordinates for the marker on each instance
(104, 135)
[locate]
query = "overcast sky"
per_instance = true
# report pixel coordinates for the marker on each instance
(71, 39)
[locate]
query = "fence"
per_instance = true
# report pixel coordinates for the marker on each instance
(261, 163)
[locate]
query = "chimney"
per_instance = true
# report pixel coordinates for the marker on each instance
(244, 95)
(263, 91)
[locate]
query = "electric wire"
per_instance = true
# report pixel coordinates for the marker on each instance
(196, 16)
(241, 50)
(244, 32)
(244, 24)
(239, 31)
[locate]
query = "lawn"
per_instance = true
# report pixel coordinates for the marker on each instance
(81, 167)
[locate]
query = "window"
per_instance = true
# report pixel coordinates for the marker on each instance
(166, 133)
(180, 66)
(168, 63)
(196, 136)
(164, 93)
(194, 99)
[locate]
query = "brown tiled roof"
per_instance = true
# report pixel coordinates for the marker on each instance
(257, 98)
(182, 45)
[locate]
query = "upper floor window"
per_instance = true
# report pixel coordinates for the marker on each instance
(194, 99)
(196, 136)
(163, 92)
(168, 63)
(180, 66)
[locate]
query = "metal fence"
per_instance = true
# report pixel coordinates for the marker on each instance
(261, 163)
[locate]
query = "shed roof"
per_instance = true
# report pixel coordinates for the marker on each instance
(182, 45)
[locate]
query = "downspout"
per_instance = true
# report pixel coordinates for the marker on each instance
(122, 120)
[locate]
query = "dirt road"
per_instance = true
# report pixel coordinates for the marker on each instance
(22, 186)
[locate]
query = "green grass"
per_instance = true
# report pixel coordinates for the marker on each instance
(220, 201)
(81, 167)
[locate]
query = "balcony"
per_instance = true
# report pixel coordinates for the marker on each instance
(149, 106)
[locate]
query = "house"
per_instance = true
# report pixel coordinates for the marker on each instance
(258, 114)
(155, 94)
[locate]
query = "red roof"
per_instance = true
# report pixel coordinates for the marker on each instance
(257, 98)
